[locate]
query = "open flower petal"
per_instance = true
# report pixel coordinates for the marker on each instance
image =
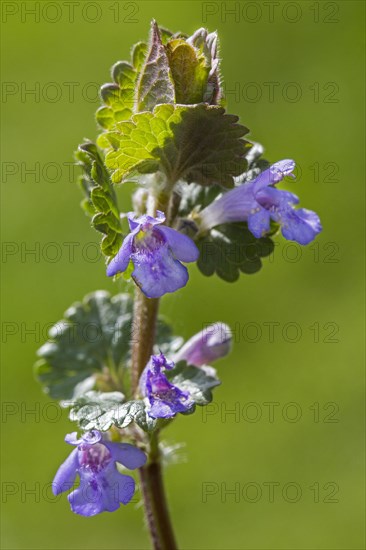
(120, 262)
(182, 246)
(158, 273)
(66, 474)
(155, 252)
(164, 399)
(259, 222)
(102, 488)
(300, 225)
(258, 201)
(131, 457)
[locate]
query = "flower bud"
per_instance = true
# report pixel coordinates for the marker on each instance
(212, 343)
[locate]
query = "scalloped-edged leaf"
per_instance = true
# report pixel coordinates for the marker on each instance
(198, 143)
(100, 202)
(93, 335)
(230, 249)
(95, 410)
(100, 411)
(155, 83)
(197, 381)
(138, 55)
(85, 181)
(118, 97)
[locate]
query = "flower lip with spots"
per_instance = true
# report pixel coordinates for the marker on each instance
(102, 488)
(156, 252)
(164, 399)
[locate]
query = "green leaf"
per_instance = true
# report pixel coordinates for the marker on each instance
(155, 83)
(100, 411)
(189, 72)
(94, 335)
(139, 52)
(206, 45)
(166, 34)
(95, 410)
(230, 249)
(101, 202)
(118, 97)
(197, 381)
(198, 143)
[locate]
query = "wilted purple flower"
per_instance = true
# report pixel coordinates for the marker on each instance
(164, 399)
(258, 202)
(156, 254)
(208, 345)
(102, 488)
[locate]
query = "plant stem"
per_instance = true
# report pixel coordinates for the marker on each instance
(157, 513)
(156, 510)
(144, 325)
(143, 337)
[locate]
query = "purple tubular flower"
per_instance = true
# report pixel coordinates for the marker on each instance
(205, 347)
(164, 399)
(156, 254)
(258, 202)
(102, 488)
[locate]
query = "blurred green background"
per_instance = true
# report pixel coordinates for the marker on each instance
(310, 451)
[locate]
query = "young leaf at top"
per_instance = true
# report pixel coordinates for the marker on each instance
(155, 83)
(207, 45)
(198, 143)
(189, 72)
(100, 202)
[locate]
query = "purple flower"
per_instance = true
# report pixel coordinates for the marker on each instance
(164, 399)
(208, 345)
(102, 488)
(258, 202)
(155, 253)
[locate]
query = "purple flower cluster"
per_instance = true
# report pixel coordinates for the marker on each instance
(164, 399)
(258, 202)
(156, 252)
(102, 488)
